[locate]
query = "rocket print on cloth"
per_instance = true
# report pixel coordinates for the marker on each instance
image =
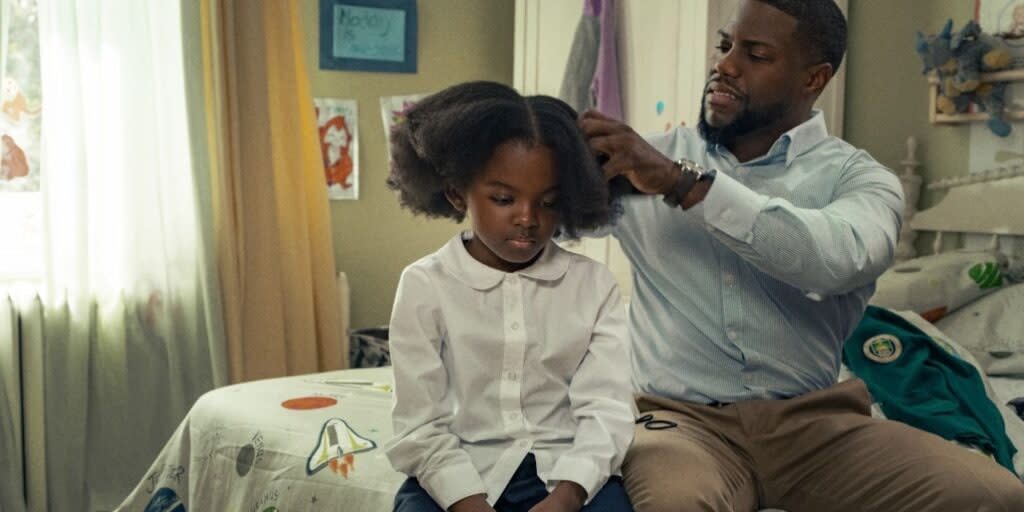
(335, 447)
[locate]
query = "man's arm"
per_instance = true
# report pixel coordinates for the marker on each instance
(826, 251)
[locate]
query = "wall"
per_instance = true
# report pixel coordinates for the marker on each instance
(374, 240)
(886, 94)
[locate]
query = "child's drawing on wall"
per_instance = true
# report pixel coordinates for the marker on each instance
(339, 146)
(392, 110)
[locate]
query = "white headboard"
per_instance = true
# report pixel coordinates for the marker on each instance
(988, 203)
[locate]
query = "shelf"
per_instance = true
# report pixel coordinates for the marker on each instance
(1009, 75)
(936, 117)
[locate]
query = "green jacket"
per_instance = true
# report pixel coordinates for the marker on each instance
(919, 383)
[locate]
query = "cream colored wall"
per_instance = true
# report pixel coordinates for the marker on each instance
(374, 240)
(886, 94)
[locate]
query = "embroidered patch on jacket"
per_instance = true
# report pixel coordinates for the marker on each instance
(884, 348)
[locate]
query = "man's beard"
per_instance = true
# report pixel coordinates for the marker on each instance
(748, 121)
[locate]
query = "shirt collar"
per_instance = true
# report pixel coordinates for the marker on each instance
(795, 142)
(803, 137)
(550, 266)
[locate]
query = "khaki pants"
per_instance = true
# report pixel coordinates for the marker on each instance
(821, 452)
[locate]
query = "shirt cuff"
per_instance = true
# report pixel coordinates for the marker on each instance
(732, 208)
(581, 471)
(453, 483)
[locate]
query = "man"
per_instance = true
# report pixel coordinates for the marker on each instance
(747, 283)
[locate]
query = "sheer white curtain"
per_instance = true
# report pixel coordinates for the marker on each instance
(132, 323)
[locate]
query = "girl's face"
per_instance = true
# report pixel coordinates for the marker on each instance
(511, 204)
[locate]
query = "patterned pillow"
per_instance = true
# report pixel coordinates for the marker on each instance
(934, 286)
(992, 329)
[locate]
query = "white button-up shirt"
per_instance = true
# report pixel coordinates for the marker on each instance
(490, 366)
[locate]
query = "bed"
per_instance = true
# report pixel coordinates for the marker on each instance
(296, 443)
(315, 441)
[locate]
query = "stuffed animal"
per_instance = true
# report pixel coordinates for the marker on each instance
(959, 61)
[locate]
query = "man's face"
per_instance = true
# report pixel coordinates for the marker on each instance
(757, 76)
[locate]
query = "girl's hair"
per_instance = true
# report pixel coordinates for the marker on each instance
(447, 138)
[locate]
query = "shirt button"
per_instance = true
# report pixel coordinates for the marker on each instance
(523, 443)
(729, 279)
(515, 326)
(732, 334)
(512, 416)
(742, 171)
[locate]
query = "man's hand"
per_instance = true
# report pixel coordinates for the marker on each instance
(629, 155)
(474, 503)
(565, 497)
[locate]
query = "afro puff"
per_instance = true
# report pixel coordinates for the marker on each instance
(448, 138)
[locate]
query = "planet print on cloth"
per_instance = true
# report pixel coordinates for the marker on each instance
(165, 500)
(335, 446)
(246, 457)
(306, 403)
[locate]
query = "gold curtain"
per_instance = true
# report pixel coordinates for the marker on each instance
(280, 296)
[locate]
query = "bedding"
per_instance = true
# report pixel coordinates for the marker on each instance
(992, 329)
(312, 441)
(279, 444)
(936, 285)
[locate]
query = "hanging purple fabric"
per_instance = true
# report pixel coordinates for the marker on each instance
(591, 77)
(604, 87)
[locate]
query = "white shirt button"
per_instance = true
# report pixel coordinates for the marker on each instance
(729, 279)
(515, 326)
(523, 443)
(512, 416)
(742, 171)
(732, 334)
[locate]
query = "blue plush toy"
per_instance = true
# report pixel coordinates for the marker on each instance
(959, 60)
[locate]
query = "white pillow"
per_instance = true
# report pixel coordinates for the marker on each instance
(992, 329)
(934, 286)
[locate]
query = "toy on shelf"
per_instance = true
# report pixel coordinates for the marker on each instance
(960, 61)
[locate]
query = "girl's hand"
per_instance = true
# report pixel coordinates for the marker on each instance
(566, 497)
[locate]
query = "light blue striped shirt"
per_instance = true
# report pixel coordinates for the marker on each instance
(751, 293)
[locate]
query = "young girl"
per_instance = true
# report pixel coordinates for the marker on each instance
(510, 354)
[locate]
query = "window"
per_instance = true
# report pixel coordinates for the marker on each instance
(21, 226)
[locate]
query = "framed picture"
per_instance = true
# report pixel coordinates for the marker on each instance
(338, 121)
(368, 35)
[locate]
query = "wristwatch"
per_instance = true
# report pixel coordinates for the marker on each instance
(691, 173)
